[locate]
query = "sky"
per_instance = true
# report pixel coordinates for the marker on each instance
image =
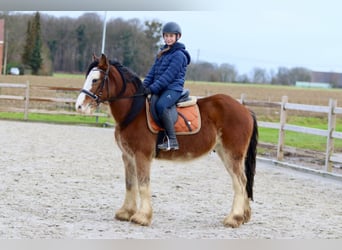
(266, 33)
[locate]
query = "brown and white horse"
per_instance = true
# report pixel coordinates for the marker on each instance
(227, 127)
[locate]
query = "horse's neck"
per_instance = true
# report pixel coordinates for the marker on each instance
(126, 109)
(121, 107)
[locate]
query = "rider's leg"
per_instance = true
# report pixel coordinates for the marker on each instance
(166, 100)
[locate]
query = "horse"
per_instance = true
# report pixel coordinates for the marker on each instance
(227, 127)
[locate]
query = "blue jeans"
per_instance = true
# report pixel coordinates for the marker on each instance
(166, 100)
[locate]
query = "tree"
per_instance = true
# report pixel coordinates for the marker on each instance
(81, 45)
(66, 44)
(300, 74)
(287, 76)
(259, 75)
(32, 50)
(29, 44)
(153, 35)
(227, 72)
(282, 77)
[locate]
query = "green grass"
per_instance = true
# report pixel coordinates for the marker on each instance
(59, 119)
(300, 140)
(297, 140)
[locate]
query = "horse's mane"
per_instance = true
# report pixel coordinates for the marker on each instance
(91, 66)
(127, 74)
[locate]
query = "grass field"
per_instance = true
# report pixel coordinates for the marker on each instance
(256, 92)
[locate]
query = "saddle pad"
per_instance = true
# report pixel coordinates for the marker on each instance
(192, 117)
(192, 101)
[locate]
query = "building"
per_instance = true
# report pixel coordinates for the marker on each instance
(335, 79)
(2, 42)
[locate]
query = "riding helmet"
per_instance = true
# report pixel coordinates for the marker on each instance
(172, 27)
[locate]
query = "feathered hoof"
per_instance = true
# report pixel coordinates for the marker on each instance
(141, 219)
(247, 215)
(233, 221)
(124, 214)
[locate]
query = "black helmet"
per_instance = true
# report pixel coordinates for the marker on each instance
(172, 27)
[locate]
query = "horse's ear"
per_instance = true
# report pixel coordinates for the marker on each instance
(95, 58)
(103, 60)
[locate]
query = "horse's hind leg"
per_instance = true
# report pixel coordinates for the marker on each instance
(240, 211)
(129, 206)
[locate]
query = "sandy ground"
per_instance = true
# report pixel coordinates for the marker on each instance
(61, 182)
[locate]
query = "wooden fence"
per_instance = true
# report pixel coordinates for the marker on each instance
(28, 99)
(331, 111)
(284, 106)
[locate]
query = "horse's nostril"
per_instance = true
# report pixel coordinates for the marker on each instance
(79, 107)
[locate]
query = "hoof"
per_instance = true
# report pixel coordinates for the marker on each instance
(124, 214)
(247, 215)
(233, 221)
(141, 219)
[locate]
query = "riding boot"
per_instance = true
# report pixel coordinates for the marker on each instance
(171, 142)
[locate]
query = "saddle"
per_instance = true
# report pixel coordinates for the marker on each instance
(185, 114)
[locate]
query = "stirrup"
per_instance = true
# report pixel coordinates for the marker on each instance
(166, 145)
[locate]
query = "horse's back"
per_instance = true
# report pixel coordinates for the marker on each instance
(222, 105)
(229, 116)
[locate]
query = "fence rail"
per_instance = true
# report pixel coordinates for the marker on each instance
(27, 98)
(331, 111)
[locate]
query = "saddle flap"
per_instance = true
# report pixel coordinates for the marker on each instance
(188, 122)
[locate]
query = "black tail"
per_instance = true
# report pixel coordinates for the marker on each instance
(250, 160)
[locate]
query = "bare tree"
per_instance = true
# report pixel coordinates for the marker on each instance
(259, 75)
(227, 72)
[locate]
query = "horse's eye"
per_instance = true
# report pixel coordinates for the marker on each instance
(94, 81)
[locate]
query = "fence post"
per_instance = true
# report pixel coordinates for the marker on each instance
(330, 139)
(27, 100)
(281, 136)
(243, 98)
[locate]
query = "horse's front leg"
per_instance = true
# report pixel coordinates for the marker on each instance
(129, 206)
(144, 215)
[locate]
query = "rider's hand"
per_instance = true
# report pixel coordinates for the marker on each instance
(147, 91)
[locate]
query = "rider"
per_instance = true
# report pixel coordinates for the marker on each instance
(166, 79)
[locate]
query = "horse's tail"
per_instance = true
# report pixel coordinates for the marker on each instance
(250, 160)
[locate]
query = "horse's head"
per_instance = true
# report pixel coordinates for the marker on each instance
(111, 82)
(94, 85)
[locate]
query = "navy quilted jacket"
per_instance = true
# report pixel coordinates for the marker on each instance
(168, 71)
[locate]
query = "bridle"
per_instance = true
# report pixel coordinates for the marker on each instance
(97, 97)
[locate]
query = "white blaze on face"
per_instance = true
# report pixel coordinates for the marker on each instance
(81, 104)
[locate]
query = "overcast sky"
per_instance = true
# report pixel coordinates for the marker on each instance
(263, 33)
